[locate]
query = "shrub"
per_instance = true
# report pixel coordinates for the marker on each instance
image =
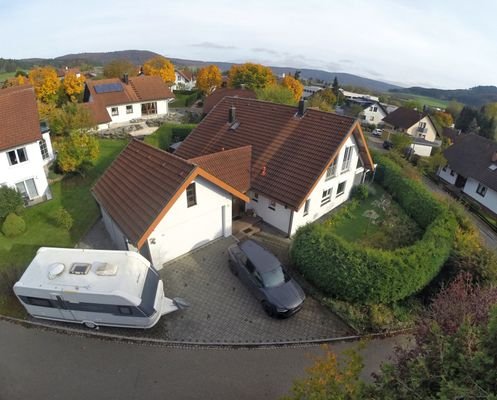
(63, 218)
(354, 273)
(9, 275)
(360, 192)
(13, 225)
(10, 201)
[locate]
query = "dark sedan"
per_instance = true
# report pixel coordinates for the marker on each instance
(266, 278)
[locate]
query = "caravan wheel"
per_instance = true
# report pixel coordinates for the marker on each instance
(89, 324)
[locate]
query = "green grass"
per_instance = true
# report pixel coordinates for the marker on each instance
(183, 99)
(377, 221)
(163, 137)
(423, 100)
(6, 75)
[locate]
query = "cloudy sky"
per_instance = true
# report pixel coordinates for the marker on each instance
(429, 43)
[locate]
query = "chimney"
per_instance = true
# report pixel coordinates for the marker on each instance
(494, 156)
(232, 114)
(302, 108)
(125, 78)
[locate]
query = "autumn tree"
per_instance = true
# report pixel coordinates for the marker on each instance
(45, 82)
(209, 78)
(444, 119)
(294, 85)
(15, 81)
(69, 118)
(117, 68)
(276, 94)
(252, 76)
(77, 152)
(73, 85)
(325, 100)
(160, 66)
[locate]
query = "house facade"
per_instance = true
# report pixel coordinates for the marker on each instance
(373, 114)
(25, 148)
(472, 169)
(417, 125)
(116, 101)
(184, 80)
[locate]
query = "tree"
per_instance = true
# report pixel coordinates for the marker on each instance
(444, 119)
(69, 118)
(400, 142)
(160, 66)
(15, 81)
(73, 85)
(465, 119)
(77, 152)
(10, 201)
(117, 68)
(294, 85)
(297, 73)
(252, 76)
(454, 108)
(276, 94)
(45, 82)
(209, 78)
(335, 86)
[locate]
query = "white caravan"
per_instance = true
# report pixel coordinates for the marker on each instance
(93, 287)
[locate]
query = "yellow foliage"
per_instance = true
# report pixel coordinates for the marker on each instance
(76, 152)
(73, 85)
(45, 82)
(160, 66)
(45, 110)
(294, 85)
(209, 78)
(253, 76)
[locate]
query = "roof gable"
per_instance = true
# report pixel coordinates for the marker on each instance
(20, 123)
(289, 153)
(403, 117)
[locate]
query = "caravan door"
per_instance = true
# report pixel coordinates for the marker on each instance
(61, 306)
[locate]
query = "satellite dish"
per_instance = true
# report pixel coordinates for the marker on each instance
(55, 270)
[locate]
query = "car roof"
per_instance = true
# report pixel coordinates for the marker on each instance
(262, 258)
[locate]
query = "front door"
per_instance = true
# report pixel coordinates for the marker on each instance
(238, 208)
(460, 181)
(59, 302)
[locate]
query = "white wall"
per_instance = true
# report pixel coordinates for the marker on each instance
(421, 150)
(185, 228)
(33, 168)
(431, 134)
(372, 117)
(446, 175)
(315, 209)
(50, 158)
(490, 198)
(279, 217)
(162, 109)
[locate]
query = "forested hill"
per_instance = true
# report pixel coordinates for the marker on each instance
(476, 96)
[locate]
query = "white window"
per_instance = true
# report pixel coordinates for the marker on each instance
(306, 206)
(444, 169)
(371, 118)
(422, 125)
(17, 156)
(331, 171)
(347, 156)
(27, 188)
(129, 109)
(326, 197)
(114, 111)
(481, 190)
(341, 189)
(191, 195)
(375, 108)
(44, 149)
(272, 205)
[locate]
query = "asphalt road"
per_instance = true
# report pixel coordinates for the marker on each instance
(38, 364)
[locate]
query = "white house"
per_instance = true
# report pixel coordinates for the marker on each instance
(113, 101)
(184, 80)
(472, 168)
(417, 125)
(25, 148)
(373, 114)
(163, 206)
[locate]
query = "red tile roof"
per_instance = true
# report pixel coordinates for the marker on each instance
(231, 166)
(142, 184)
(19, 119)
(186, 74)
(289, 153)
(217, 95)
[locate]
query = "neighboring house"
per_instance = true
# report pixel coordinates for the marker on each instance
(184, 80)
(353, 96)
(61, 73)
(25, 148)
(163, 206)
(417, 125)
(112, 101)
(217, 95)
(472, 168)
(310, 90)
(373, 114)
(451, 134)
(304, 162)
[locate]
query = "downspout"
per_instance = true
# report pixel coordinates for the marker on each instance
(290, 224)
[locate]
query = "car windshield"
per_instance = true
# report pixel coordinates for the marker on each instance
(273, 278)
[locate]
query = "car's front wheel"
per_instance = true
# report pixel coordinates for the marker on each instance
(233, 269)
(269, 309)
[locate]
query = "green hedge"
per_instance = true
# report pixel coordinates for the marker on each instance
(351, 272)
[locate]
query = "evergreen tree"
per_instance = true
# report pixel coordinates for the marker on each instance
(335, 86)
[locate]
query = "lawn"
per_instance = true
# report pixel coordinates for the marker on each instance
(169, 133)
(6, 75)
(184, 99)
(424, 100)
(377, 221)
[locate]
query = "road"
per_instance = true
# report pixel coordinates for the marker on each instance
(38, 364)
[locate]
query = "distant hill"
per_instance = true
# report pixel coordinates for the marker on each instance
(476, 96)
(137, 57)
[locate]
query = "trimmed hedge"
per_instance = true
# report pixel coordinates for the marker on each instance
(351, 272)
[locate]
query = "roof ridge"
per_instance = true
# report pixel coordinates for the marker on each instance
(221, 151)
(159, 150)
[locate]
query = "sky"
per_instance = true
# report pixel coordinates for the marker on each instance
(423, 43)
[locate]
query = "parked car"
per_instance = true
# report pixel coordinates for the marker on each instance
(377, 132)
(387, 144)
(266, 278)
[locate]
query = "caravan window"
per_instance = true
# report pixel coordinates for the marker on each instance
(36, 301)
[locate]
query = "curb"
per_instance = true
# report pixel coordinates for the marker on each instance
(205, 345)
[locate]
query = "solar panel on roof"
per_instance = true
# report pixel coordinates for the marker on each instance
(108, 88)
